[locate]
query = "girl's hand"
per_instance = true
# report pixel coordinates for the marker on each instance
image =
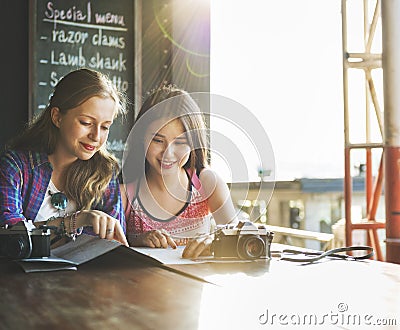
(157, 239)
(103, 225)
(197, 246)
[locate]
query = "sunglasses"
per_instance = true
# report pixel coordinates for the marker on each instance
(59, 201)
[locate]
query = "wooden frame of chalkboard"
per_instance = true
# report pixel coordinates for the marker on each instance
(68, 34)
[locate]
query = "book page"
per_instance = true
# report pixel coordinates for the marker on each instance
(170, 256)
(84, 248)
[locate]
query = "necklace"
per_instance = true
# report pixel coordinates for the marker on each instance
(59, 201)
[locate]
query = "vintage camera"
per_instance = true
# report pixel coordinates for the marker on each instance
(246, 240)
(24, 240)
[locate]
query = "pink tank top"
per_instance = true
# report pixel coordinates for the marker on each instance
(193, 219)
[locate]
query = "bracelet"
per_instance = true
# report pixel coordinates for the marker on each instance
(73, 231)
(61, 231)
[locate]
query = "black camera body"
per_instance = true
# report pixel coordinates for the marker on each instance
(245, 241)
(24, 240)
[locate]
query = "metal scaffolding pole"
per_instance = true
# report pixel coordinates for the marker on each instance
(391, 86)
(366, 61)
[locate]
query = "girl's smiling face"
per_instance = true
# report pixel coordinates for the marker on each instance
(167, 148)
(84, 129)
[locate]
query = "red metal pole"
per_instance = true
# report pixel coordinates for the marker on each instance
(392, 198)
(373, 204)
(368, 178)
(391, 86)
(347, 196)
(368, 187)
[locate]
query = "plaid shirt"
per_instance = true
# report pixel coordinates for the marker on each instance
(24, 178)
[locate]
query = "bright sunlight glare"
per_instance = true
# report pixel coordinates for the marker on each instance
(282, 60)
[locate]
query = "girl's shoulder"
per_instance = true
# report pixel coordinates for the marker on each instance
(16, 156)
(208, 176)
(128, 194)
(209, 180)
(23, 158)
(129, 189)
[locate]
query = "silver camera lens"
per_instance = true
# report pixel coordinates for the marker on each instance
(250, 247)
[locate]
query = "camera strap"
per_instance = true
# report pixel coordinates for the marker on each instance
(338, 253)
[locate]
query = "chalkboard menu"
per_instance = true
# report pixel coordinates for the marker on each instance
(96, 34)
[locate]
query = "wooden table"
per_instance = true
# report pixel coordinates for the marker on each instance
(121, 291)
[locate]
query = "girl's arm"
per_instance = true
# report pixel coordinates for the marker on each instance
(124, 197)
(112, 203)
(11, 207)
(219, 198)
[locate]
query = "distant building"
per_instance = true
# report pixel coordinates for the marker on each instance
(309, 204)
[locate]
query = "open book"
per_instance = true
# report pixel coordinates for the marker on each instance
(87, 247)
(70, 255)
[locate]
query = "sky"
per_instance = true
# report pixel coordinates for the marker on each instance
(282, 60)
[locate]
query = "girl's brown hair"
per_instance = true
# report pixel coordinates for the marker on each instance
(86, 180)
(168, 103)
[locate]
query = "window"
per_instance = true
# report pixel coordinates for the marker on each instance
(282, 60)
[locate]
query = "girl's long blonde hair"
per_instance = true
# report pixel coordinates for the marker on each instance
(86, 180)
